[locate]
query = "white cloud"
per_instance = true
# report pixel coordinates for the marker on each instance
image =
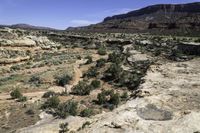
(81, 22)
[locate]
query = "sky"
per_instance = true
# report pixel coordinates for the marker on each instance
(61, 14)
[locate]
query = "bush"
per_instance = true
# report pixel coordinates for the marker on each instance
(101, 98)
(86, 113)
(82, 89)
(124, 96)
(102, 50)
(113, 72)
(52, 102)
(49, 94)
(63, 80)
(92, 72)
(115, 99)
(95, 84)
(66, 109)
(116, 57)
(22, 99)
(101, 62)
(16, 94)
(89, 59)
(35, 80)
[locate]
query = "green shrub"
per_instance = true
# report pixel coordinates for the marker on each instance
(86, 112)
(63, 80)
(48, 94)
(35, 80)
(89, 59)
(95, 84)
(92, 72)
(113, 72)
(102, 50)
(124, 96)
(101, 62)
(115, 99)
(82, 89)
(22, 99)
(66, 109)
(101, 98)
(52, 102)
(16, 94)
(116, 57)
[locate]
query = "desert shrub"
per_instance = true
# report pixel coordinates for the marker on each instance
(22, 99)
(101, 62)
(124, 96)
(113, 72)
(95, 84)
(52, 102)
(102, 50)
(92, 72)
(82, 89)
(35, 80)
(16, 94)
(63, 128)
(89, 59)
(63, 80)
(86, 112)
(116, 57)
(115, 99)
(101, 98)
(66, 109)
(49, 94)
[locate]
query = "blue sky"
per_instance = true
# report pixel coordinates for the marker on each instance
(64, 13)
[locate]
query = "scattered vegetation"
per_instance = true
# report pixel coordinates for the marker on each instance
(16, 94)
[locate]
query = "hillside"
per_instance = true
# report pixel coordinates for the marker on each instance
(168, 18)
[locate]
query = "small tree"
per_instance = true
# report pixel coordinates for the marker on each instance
(16, 94)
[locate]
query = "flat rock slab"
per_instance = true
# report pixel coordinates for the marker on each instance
(151, 112)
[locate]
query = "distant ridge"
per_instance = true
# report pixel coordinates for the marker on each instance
(27, 26)
(162, 18)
